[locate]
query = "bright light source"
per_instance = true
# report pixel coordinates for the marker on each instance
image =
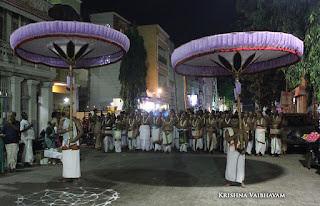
(66, 99)
(112, 104)
(159, 91)
(193, 99)
(60, 84)
(148, 106)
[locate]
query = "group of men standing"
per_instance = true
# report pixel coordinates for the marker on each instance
(199, 131)
(13, 133)
(157, 131)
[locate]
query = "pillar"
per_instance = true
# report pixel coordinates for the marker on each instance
(16, 95)
(45, 105)
(33, 103)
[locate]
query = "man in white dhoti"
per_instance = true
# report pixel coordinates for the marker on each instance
(197, 133)
(138, 120)
(175, 142)
(97, 133)
(27, 135)
(211, 138)
(117, 134)
(204, 117)
(124, 137)
(145, 132)
(250, 121)
(220, 119)
(226, 123)
(260, 134)
(235, 169)
(155, 131)
(108, 133)
(182, 126)
(275, 133)
(70, 147)
(167, 130)
(132, 132)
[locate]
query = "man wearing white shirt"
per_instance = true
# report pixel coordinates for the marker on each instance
(27, 135)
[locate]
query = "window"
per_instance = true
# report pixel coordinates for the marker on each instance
(162, 55)
(2, 25)
(15, 22)
(162, 81)
(24, 97)
(5, 100)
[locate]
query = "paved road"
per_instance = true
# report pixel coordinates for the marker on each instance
(163, 179)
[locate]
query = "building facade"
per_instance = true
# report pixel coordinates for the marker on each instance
(24, 87)
(104, 85)
(156, 43)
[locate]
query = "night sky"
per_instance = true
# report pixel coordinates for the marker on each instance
(183, 20)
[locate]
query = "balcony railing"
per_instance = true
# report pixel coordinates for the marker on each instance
(7, 55)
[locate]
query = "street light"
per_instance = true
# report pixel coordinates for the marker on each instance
(159, 90)
(66, 100)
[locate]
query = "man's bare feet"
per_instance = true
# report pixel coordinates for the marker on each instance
(79, 180)
(243, 185)
(228, 184)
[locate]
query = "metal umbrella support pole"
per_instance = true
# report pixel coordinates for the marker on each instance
(239, 115)
(71, 100)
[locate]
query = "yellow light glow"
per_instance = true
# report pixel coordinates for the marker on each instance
(60, 84)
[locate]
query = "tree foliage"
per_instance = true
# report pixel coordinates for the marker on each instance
(225, 88)
(298, 17)
(266, 87)
(133, 70)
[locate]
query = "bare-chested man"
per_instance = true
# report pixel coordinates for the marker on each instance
(70, 146)
(155, 130)
(108, 133)
(260, 134)
(211, 125)
(132, 132)
(235, 169)
(182, 125)
(167, 132)
(275, 133)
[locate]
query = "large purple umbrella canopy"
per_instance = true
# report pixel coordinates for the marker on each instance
(237, 53)
(35, 43)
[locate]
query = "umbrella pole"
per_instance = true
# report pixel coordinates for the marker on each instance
(71, 101)
(239, 114)
(185, 92)
(240, 122)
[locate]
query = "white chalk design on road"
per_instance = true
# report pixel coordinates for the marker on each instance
(70, 196)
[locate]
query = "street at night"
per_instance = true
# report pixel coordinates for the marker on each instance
(142, 103)
(148, 178)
